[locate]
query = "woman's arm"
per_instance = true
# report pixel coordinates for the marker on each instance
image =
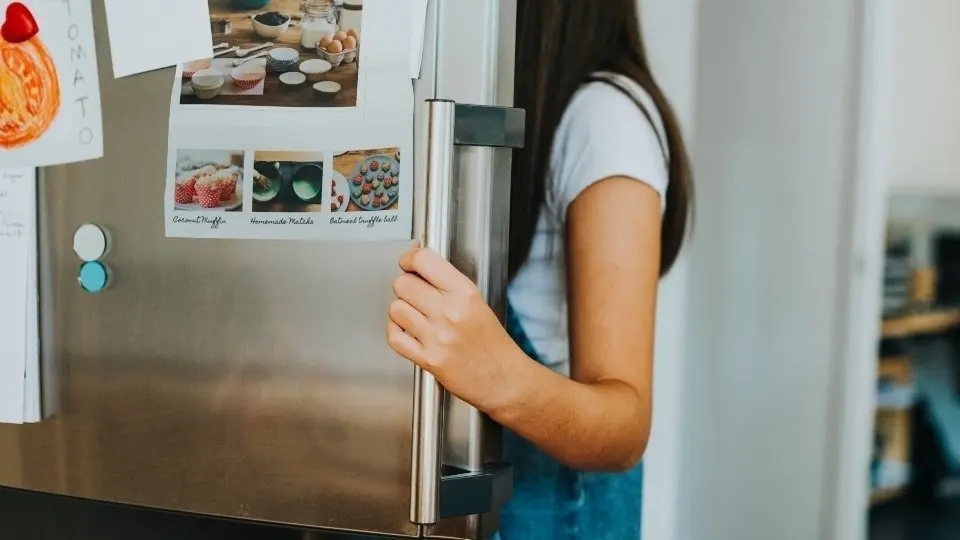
(600, 418)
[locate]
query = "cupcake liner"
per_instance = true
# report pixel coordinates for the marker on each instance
(208, 197)
(208, 192)
(246, 79)
(184, 193)
(228, 188)
(193, 67)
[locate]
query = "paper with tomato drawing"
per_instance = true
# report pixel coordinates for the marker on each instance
(49, 91)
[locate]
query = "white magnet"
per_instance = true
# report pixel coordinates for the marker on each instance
(90, 242)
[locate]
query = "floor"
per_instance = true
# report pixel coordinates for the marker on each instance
(910, 520)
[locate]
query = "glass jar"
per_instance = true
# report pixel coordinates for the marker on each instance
(319, 20)
(351, 13)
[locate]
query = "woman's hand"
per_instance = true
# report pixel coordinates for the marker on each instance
(440, 322)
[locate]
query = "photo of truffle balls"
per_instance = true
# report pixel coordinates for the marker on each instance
(288, 182)
(372, 180)
(208, 180)
(278, 53)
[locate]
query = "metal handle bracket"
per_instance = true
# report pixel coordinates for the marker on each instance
(465, 493)
(486, 125)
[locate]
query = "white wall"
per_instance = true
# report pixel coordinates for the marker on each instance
(925, 115)
(670, 28)
(775, 154)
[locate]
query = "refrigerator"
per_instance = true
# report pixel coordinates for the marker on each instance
(248, 379)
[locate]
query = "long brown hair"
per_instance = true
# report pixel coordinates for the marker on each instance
(560, 45)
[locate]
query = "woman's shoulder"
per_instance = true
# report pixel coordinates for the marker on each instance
(603, 133)
(613, 100)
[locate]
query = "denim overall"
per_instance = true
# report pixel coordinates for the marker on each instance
(553, 502)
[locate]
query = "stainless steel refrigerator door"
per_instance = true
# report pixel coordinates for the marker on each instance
(247, 379)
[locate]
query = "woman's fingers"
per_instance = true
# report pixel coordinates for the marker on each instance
(404, 344)
(434, 269)
(409, 319)
(423, 296)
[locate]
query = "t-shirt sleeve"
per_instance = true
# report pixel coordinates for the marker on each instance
(604, 134)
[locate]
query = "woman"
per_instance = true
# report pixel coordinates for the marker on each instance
(599, 210)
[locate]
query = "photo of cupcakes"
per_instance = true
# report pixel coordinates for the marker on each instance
(208, 180)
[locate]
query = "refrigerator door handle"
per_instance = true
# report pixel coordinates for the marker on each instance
(450, 125)
(427, 392)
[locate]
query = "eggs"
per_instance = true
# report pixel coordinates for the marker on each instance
(341, 41)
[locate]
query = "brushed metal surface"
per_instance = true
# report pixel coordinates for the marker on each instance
(428, 395)
(246, 379)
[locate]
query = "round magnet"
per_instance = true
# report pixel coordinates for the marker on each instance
(90, 242)
(93, 276)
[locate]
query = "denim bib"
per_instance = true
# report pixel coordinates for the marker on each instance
(554, 502)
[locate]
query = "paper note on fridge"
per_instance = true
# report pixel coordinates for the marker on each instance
(49, 92)
(18, 252)
(418, 27)
(148, 34)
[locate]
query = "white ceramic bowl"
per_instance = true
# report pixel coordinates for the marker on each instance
(207, 83)
(315, 68)
(326, 90)
(207, 78)
(267, 31)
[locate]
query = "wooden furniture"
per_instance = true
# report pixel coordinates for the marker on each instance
(893, 427)
(920, 322)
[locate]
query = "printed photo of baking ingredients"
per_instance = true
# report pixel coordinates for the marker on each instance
(366, 181)
(278, 53)
(288, 182)
(208, 181)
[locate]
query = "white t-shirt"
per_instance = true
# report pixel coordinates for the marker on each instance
(602, 134)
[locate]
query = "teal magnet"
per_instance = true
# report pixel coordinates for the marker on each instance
(93, 277)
